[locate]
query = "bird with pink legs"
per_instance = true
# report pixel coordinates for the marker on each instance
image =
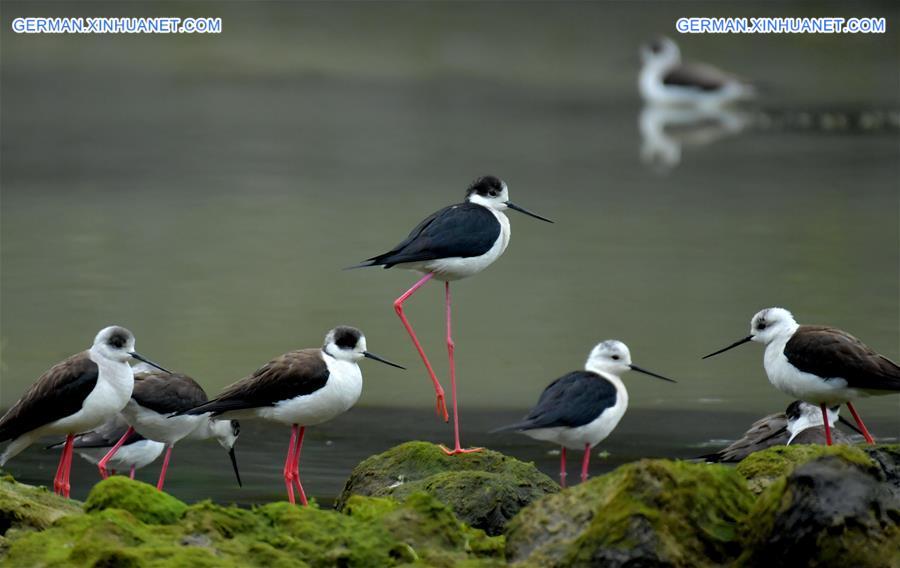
(301, 388)
(580, 409)
(455, 242)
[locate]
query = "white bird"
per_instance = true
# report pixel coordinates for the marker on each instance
(299, 389)
(455, 242)
(818, 364)
(666, 80)
(74, 396)
(136, 453)
(580, 409)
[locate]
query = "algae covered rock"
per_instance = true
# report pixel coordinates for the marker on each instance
(116, 530)
(762, 469)
(484, 489)
(831, 511)
(140, 499)
(27, 507)
(648, 513)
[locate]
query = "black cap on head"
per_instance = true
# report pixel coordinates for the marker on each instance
(118, 338)
(346, 337)
(486, 186)
(793, 411)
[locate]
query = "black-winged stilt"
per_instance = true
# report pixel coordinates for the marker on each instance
(819, 364)
(134, 454)
(299, 389)
(580, 409)
(456, 242)
(73, 396)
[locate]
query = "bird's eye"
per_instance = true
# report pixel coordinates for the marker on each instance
(493, 193)
(616, 357)
(761, 325)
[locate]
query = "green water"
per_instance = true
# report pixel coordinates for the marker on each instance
(205, 191)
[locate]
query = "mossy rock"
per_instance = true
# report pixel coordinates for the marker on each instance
(485, 489)
(143, 501)
(831, 511)
(373, 532)
(762, 469)
(27, 507)
(648, 513)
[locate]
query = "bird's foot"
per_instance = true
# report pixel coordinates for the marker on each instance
(458, 450)
(440, 406)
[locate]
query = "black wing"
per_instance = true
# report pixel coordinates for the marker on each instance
(165, 393)
(572, 400)
(764, 433)
(697, 76)
(293, 374)
(462, 230)
(57, 394)
(832, 353)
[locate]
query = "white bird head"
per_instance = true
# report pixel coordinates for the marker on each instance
(660, 52)
(347, 343)
(492, 192)
(613, 357)
(226, 433)
(765, 327)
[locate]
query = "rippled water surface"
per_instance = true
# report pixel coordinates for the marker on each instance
(206, 192)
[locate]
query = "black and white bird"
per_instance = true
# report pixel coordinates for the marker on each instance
(820, 365)
(134, 454)
(580, 409)
(74, 396)
(455, 242)
(800, 423)
(153, 412)
(666, 80)
(299, 389)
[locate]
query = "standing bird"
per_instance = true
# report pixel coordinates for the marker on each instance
(73, 396)
(153, 412)
(666, 80)
(819, 364)
(800, 423)
(134, 454)
(580, 409)
(299, 389)
(456, 242)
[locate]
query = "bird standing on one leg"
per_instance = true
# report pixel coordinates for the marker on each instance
(580, 409)
(299, 389)
(820, 365)
(456, 242)
(73, 396)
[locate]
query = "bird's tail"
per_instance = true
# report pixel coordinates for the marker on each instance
(368, 262)
(518, 426)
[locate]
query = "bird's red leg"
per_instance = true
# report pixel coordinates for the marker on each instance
(859, 423)
(289, 465)
(165, 467)
(585, 462)
(57, 479)
(562, 468)
(131, 474)
(296, 466)
(440, 404)
(826, 424)
(67, 467)
(451, 349)
(101, 465)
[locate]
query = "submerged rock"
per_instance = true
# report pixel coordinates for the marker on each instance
(762, 469)
(485, 489)
(124, 524)
(648, 513)
(832, 511)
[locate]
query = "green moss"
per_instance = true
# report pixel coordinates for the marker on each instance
(484, 489)
(140, 499)
(27, 507)
(763, 468)
(676, 513)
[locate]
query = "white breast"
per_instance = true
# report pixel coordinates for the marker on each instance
(456, 268)
(110, 395)
(593, 432)
(339, 394)
(805, 386)
(159, 427)
(138, 454)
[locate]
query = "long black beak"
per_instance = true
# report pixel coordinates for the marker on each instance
(732, 346)
(234, 463)
(139, 357)
(651, 373)
(850, 425)
(515, 207)
(368, 355)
